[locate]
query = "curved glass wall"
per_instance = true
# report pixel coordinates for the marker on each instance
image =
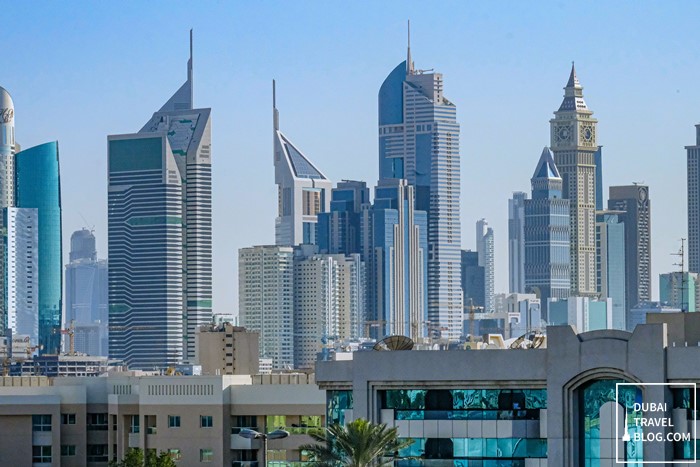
(38, 185)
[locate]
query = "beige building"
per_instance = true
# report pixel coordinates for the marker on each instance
(89, 421)
(226, 349)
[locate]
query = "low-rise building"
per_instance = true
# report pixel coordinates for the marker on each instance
(197, 419)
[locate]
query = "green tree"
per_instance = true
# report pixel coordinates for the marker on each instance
(134, 457)
(359, 444)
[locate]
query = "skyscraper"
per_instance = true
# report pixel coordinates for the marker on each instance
(485, 250)
(7, 188)
(573, 142)
(160, 244)
(679, 290)
(303, 190)
(396, 254)
(328, 300)
(86, 295)
(694, 203)
(339, 231)
(38, 191)
(610, 254)
(419, 142)
(266, 300)
(516, 242)
(472, 280)
(547, 234)
(634, 201)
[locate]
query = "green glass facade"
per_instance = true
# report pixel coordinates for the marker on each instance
(38, 185)
(592, 397)
(473, 405)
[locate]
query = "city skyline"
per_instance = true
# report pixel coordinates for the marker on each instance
(483, 84)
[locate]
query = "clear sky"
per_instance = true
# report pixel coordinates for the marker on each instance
(79, 71)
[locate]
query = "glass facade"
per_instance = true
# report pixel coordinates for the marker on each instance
(337, 402)
(481, 406)
(38, 185)
(597, 434)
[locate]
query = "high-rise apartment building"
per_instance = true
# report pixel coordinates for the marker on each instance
(573, 142)
(610, 261)
(328, 300)
(339, 231)
(303, 190)
(86, 296)
(516, 242)
(419, 142)
(395, 251)
(694, 203)
(38, 195)
(485, 249)
(266, 300)
(160, 233)
(547, 234)
(634, 201)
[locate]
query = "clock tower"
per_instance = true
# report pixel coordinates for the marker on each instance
(573, 142)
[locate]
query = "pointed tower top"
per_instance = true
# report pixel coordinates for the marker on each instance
(275, 113)
(573, 94)
(409, 62)
(573, 80)
(546, 168)
(189, 72)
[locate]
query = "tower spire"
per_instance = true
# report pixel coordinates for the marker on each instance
(189, 73)
(275, 113)
(409, 62)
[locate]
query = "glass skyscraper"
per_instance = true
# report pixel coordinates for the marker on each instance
(419, 142)
(339, 231)
(38, 188)
(396, 256)
(547, 234)
(160, 234)
(7, 190)
(610, 260)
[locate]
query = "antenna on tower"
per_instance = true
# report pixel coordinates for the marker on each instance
(189, 72)
(681, 254)
(409, 62)
(275, 113)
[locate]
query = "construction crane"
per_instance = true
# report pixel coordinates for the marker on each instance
(70, 332)
(471, 309)
(373, 324)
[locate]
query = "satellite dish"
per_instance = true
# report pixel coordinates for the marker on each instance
(394, 343)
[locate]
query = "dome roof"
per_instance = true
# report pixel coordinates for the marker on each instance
(7, 107)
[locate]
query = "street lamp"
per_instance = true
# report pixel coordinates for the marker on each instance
(252, 434)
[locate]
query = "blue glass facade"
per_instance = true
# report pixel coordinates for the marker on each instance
(38, 185)
(396, 254)
(610, 262)
(546, 229)
(419, 142)
(339, 231)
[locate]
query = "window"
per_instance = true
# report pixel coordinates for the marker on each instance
(206, 421)
(97, 422)
(41, 423)
(173, 421)
(135, 424)
(275, 421)
(206, 455)
(175, 454)
(67, 419)
(97, 453)
(41, 454)
(67, 450)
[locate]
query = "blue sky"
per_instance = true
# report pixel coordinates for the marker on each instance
(79, 71)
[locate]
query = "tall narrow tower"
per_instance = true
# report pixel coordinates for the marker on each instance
(7, 188)
(160, 233)
(419, 142)
(694, 203)
(573, 142)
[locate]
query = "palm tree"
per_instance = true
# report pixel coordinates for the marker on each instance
(359, 444)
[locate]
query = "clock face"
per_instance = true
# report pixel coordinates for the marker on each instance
(563, 133)
(587, 133)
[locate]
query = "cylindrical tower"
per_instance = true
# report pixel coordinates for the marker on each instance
(7, 149)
